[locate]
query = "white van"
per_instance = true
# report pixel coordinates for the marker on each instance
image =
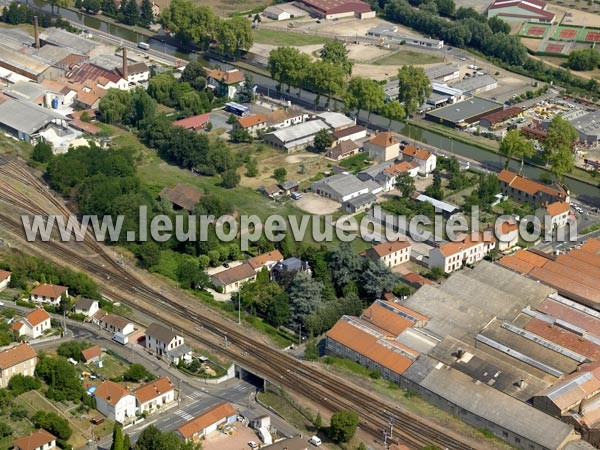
(315, 441)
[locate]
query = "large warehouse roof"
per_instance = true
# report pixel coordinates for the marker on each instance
(337, 6)
(26, 117)
(466, 109)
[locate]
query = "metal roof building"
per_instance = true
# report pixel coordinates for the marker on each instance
(476, 84)
(62, 38)
(23, 119)
(465, 112)
(588, 127)
(389, 33)
(296, 137)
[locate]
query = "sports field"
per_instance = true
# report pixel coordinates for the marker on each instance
(566, 33)
(535, 30)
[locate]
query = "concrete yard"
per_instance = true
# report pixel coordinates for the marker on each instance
(238, 440)
(315, 204)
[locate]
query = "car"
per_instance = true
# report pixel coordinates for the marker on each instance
(314, 440)
(404, 143)
(226, 265)
(1, 303)
(252, 444)
(296, 195)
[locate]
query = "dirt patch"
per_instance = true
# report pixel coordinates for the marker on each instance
(315, 204)
(265, 49)
(357, 27)
(299, 158)
(378, 72)
(365, 53)
(574, 16)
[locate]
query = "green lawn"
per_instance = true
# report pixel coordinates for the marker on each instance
(15, 147)
(286, 38)
(402, 57)
(356, 163)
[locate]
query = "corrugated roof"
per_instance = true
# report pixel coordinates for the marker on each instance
(499, 116)
(27, 117)
(382, 315)
(182, 195)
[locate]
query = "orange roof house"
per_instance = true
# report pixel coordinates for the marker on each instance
(251, 121)
(528, 191)
(193, 123)
(91, 354)
(39, 439)
(33, 324)
(205, 423)
(48, 293)
(268, 260)
(390, 253)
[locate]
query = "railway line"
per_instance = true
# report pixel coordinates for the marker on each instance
(324, 389)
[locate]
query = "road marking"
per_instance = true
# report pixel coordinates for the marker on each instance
(184, 415)
(195, 395)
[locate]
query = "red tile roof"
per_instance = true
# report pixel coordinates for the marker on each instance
(35, 440)
(16, 355)
(499, 116)
(384, 140)
(387, 248)
(386, 320)
(251, 121)
(260, 260)
(194, 122)
(416, 279)
(90, 353)
(212, 416)
(327, 7)
(400, 167)
(111, 392)
(49, 290)
(557, 208)
(564, 338)
(228, 77)
(37, 316)
(4, 275)
(235, 274)
(417, 153)
(153, 389)
(90, 72)
(526, 185)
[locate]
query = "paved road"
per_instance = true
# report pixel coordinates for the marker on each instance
(195, 396)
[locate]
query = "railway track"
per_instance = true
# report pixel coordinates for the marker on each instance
(323, 389)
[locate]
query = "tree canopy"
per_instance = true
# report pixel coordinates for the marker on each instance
(413, 87)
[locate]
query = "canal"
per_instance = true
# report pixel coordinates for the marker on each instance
(489, 160)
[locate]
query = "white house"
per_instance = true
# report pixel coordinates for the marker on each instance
(115, 402)
(48, 294)
(555, 215)
(391, 254)
(507, 234)
(112, 323)
(282, 118)
(426, 160)
(86, 306)
(470, 249)
(226, 82)
(38, 440)
(18, 359)
(4, 279)
(33, 324)
(154, 395)
(165, 342)
(231, 280)
(389, 176)
(276, 13)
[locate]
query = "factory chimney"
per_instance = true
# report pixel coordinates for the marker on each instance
(124, 70)
(36, 32)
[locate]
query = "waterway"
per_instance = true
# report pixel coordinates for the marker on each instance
(489, 160)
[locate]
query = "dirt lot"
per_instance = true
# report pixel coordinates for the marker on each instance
(478, 5)
(237, 441)
(315, 204)
(353, 27)
(365, 53)
(265, 49)
(576, 17)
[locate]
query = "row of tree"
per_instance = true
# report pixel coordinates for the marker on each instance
(17, 13)
(128, 13)
(200, 26)
(586, 59)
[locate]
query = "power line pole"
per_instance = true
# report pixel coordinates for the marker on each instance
(239, 309)
(392, 427)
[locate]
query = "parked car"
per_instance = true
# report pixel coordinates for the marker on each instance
(314, 440)
(252, 444)
(296, 195)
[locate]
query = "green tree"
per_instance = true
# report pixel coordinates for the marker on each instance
(252, 168)
(558, 146)
(406, 184)
(136, 373)
(5, 430)
(52, 423)
(517, 145)
(194, 74)
(334, 52)
(127, 442)
(343, 426)
(149, 254)
(42, 152)
(91, 6)
(146, 15)
(130, 12)
(230, 179)
(288, 66)
(435, 190)
(586, 59)
(318, 419)
(280, 174)
(117, 438)
(19, 384)
(363, 93)
(61, 377)
(413, 87)
(241, 135)
(393, 110)
(323, 140)
(325, 79)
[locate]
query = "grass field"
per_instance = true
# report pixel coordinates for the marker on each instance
(403, 57)
(14, 147)
(284, 38)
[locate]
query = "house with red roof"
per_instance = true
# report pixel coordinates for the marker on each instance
(4, 279)
(524, 190)
(555, 215)
(336, 9)
(225, 83)
(391, 254)
(468, 249)
(252, 124)
(521, 11)
(48, 294)
(38, 440)
(33, 324)
(426, 160)
(193, 123)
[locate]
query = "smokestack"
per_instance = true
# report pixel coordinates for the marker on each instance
(124, 71)
(36, 32)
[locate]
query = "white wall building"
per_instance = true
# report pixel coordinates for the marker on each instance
(115, 402)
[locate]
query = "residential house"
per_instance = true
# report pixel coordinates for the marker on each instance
(271, 191)
(113, 323)
(297, 443)
(4, 279)
(225, 83)
(193, 123)
(18, 359)
(425, 159)
(282, 118)
(342, 150)
(389, 176)
(49, 294)
(353, 133)
(182, 196)
(361, 203)
(252, 124)
(165, 341)
(383, 147)
(91, 354)
(154, 395)
(340, 187)
(231, 280)
(38, 440)
(289, 186)
(33, 324)
(219, 416)
(391, 254)
(553, 216)
(115, 402)
(507, 234)
(136, 73)
(536, 194)
(268, 260)
(290, 265)
(469, 249)
(86, 306)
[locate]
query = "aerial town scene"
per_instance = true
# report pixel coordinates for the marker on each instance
(290, 225)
